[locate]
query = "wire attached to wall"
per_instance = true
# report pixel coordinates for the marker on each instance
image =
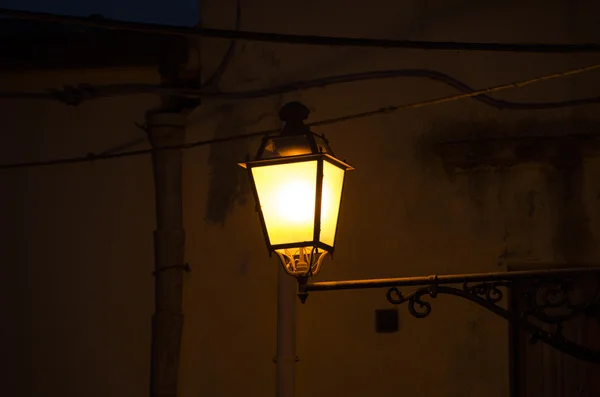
(387, 110)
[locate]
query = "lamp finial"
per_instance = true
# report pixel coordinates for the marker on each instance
(294, 114)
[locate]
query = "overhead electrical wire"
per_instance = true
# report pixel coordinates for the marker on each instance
(390, 109)
(75, 95)
(301, 39)
(456, 97)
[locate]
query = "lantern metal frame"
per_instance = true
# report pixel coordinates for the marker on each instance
(320, 158)
(308, 260)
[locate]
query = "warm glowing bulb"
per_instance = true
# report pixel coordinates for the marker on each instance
(295, 202)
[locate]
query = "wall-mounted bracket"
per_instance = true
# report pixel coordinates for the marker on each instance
(552, 297)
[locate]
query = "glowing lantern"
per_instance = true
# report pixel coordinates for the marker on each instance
(298, 184)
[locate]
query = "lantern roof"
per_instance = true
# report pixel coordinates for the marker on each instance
(296, 140)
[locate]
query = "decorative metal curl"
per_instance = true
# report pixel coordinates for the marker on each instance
(396, 297)
(488, 290)
(551, 301)
(300, 262)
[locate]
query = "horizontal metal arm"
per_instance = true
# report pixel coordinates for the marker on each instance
(305, 286)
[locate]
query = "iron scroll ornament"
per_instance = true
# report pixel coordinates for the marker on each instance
(547, 301)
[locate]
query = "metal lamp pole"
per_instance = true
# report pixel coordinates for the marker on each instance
(286, 358)
(286, 334)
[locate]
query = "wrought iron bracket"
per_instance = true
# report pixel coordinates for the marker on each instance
(550, 299)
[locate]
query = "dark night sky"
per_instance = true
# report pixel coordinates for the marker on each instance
(171, 12)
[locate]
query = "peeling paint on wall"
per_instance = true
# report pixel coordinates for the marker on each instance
(556, 149)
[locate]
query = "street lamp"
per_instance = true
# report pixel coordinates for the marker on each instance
(298, 183)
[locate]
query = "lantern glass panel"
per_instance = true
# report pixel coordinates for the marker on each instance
(322, 145)
(286, 195)
(333, 181)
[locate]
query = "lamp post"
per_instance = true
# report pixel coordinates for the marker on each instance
(298, 184)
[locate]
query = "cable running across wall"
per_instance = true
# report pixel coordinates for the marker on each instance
(302, 39)
(390, 109)
(75, 95)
